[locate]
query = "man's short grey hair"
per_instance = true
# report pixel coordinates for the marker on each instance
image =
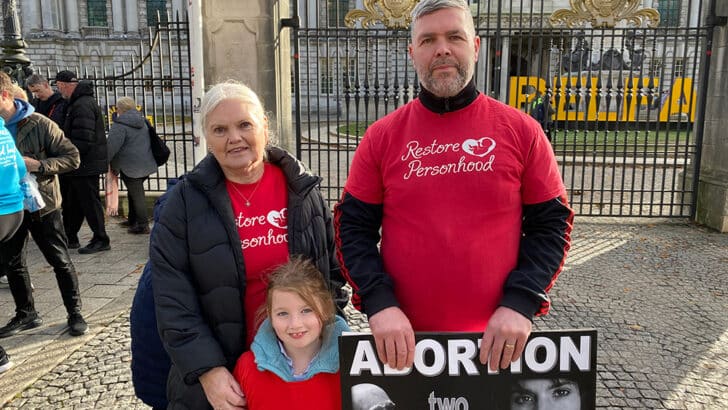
(35, 79)
(426, 7)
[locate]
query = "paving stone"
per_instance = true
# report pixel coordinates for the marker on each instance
(656, 293)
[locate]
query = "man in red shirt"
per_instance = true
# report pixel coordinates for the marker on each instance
(474, 220)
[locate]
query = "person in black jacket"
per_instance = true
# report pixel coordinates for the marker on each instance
(46, 101)
(243, 210)
(84, 126)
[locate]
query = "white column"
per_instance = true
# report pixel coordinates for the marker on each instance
(309, 17)
(694, 15)
(132, 16)
(505, 59)
(483, 65)
(178, 7)
(72, 16)
(197, 72)
(117, 15)
(30, 10)
(46, 19)
(282, 80)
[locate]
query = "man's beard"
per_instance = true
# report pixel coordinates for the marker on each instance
(444, 85)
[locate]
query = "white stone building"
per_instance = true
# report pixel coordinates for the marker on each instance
(89, 33)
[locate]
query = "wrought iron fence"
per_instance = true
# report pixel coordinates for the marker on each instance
(623, 99)
(158, 79)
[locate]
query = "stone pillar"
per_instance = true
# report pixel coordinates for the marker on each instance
(178, 7)
(712, 206)
(243, 41)
(46, 14)
(483, 65)
(117, 16)
(504, 63)
(72, 25)
(30, 17)
(132, 16)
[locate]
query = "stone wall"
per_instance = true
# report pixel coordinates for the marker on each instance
(712, 208)
(243, 41)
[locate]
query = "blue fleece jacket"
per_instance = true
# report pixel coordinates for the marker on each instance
(12, 169)
(268, 355)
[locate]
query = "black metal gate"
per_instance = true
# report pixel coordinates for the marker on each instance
(159, 80)
(624, 99)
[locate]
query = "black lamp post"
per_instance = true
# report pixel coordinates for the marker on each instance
(14, 61)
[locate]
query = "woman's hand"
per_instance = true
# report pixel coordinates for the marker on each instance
(222, 390)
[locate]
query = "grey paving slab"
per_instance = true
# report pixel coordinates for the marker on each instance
(656, 290)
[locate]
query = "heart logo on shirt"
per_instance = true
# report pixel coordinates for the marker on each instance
(278, 218)
(479, 148)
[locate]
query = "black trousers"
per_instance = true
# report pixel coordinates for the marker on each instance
(137, 200)
(47, 232)
(81, 200)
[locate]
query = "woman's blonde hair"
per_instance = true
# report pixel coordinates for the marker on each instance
(20, 93)
(124, 104)
(301, 277)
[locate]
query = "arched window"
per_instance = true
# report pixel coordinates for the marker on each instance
(97, 13)
(156, 8)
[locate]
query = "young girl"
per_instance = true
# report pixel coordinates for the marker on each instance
(294, 359)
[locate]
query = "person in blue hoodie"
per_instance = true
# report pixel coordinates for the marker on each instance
(46, 153)
(12, 169)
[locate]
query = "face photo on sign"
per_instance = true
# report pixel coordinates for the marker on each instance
(546, 394)
(367, 396)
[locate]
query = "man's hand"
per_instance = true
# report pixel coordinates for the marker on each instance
(504, 338)
(222, 390)
(32, 165)
(394, 337)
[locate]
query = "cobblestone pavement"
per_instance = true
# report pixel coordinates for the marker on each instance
(656, 290)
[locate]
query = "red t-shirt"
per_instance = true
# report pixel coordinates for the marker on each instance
(452, 187)
(264, 390)
(263, 230)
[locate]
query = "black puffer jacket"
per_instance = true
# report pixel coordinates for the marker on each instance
(84, 126)
(198, 272)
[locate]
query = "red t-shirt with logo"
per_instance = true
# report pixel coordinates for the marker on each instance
(452, 187)
(263, 230)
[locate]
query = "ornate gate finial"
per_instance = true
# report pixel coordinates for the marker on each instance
(604, 14)
(391, 13)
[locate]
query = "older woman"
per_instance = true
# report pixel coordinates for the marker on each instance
(131, 156)
(242, 211)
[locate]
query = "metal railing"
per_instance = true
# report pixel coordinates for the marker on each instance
(624, 100)
(158, 78)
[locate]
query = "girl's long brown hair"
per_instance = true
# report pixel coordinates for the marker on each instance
(300, 276)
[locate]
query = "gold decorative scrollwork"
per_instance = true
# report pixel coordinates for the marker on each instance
(391, 13)
(604, 14)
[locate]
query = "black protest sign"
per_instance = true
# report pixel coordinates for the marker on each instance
(557, 371)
